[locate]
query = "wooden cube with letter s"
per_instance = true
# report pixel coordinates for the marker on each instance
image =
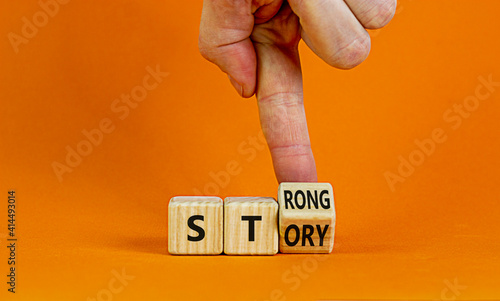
(195, 225)
(306, 217)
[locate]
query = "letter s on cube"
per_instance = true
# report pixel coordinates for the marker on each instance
(195, 225)
(306, 217)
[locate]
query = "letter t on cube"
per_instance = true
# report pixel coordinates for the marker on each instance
(306, 217)
(195, 225)
(250, 226)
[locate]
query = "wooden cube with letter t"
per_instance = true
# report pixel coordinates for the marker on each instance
(250, 226)
(195, 225)
(306, 217)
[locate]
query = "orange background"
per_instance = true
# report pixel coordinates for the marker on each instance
(439, 227)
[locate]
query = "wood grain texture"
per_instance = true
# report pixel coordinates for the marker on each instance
(180, 209)
(306, 217)
(241, 214)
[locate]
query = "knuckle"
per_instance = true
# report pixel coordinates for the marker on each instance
(351, 53)
(205, 49)
(298, 5)
(382, 12)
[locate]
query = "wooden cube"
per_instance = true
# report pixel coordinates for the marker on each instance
(306, 217)
(195, 225)
(250, 226)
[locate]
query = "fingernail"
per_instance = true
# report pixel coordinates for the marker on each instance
(236, 85)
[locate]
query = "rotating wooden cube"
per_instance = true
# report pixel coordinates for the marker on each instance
(306, 217)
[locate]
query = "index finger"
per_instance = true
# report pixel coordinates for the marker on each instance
(280, 98)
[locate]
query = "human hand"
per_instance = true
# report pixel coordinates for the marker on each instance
(256, 44)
